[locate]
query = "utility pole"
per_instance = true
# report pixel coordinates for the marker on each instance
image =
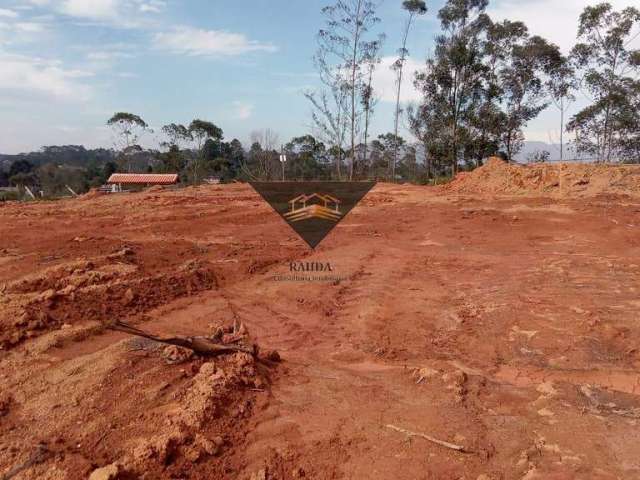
(283, 160)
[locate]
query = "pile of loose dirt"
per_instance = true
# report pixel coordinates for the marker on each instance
(202, 417)
(88, 291)
(158, 417)
(497, 177)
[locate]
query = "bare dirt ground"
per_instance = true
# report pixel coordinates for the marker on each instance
(506, 325)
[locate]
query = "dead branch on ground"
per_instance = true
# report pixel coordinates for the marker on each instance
(218, 344)
(410, 434)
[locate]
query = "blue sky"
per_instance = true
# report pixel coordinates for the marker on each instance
(67, 65)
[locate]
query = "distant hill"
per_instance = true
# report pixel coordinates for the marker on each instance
(73, 155)
(530, 148)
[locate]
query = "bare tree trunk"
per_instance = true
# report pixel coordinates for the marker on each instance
(366, 138)
(354, 69)
(561, 128)
(367, 113)
(403, 56)
(454, 150)
(427, 160)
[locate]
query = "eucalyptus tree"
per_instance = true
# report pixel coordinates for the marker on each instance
(176, 135)
(518, 87)
(329, 120)
(344, 47)
(414, 8)
(562, 84)
(610, 68)
(489, 120)
(524, 91)
(368, 98)
(262, 162)
(452, 83)
(202, 131)
(127, 128)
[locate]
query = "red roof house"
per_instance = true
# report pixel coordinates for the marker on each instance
(143, 179)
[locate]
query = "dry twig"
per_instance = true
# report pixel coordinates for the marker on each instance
(410, 434)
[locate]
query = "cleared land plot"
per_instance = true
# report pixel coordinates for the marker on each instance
(505, 325)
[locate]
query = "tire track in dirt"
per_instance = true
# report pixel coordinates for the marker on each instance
(297, 421)
(296, 416)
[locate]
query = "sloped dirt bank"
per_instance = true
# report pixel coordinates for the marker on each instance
(565, 180)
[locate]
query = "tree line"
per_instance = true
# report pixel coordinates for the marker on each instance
(483, 83)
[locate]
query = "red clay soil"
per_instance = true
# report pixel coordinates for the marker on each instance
(505, 325)
(549, 179)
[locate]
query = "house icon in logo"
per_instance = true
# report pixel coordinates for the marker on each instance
(316, 205)
(312, 215)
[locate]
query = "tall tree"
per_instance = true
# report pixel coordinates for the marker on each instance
(429, 127)
(489, 120)
(127, 128)
(609, 70)
(236, 157)
(515, 90)
(452, 82)
(383, 149)
(262, 162)
(344, 45)
(561, 84)
(524, 90)
(330, 120)
(174, 159)
(414, 8)
(482, 86)
(202, 131)
(329, 113)
(306, 158)
(177, 135)
(368, 98)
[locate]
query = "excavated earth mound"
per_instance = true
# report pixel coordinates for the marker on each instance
(497, 177)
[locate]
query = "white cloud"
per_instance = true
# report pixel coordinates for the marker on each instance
(15, 32)
(38, 76)
(152, 6)
(197, 42)
(92, 9)
(117, 13)
(29, 27)
(384, 80)
(243, 110)
(551, 19)
(107, 55)
(107, 60)
(5, 12)
(148, 8)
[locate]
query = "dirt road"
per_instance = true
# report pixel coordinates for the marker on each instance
(507, 326)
